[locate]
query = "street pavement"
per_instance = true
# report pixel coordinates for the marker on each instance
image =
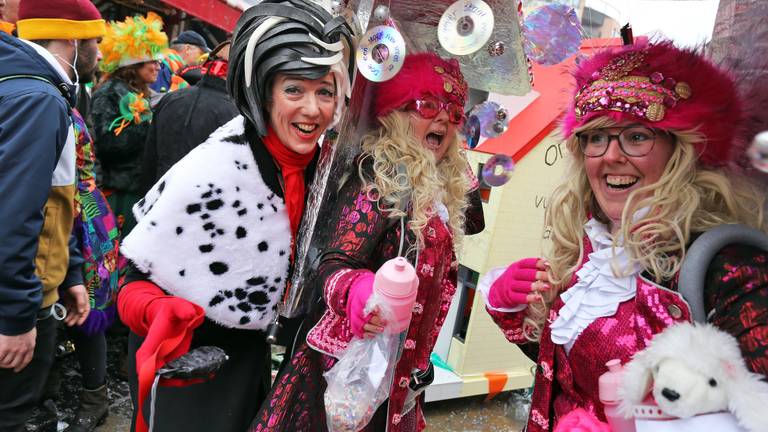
(506, 412)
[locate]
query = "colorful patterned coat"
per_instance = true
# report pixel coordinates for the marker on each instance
(364, 239)
(97, 235)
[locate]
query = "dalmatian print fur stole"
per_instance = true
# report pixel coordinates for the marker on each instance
(212, 232)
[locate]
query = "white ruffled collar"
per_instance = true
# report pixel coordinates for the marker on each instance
(598, 291)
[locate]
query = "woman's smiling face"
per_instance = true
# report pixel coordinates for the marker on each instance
(614, 175)
(300, 110)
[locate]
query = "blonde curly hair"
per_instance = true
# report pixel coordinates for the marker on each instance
(688, 198)
(403, 167)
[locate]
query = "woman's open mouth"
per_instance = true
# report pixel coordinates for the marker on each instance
(305, 130)
(620, 181)
(434, 140)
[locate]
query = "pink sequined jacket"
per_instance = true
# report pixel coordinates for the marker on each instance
(364, 239)
(736, 297)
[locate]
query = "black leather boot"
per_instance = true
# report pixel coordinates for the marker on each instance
(93, 410)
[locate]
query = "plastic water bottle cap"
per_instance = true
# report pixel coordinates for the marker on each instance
(400, 263)
(614, 365)
(395, 279)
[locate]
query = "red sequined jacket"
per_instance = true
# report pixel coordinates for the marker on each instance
(364, 239)
(736, 299)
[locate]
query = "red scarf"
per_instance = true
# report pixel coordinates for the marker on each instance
(292, 166)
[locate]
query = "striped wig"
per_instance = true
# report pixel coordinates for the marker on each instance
(296, 37)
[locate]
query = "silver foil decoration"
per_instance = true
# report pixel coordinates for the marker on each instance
(334, 164)
(364, 10)
(505, 74)
(417, 21)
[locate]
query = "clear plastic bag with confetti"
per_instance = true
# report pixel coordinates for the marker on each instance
(361, 380)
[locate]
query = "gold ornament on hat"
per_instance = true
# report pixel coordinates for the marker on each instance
(683, 90)
(655, 112)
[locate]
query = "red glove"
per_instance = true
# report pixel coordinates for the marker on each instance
(167, 323)
(358, 296)
(513, 287)
(141, 303)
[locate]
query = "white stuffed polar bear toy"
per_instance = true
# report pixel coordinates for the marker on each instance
(692, 370)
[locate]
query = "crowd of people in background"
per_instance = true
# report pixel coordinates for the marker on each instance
(67, 62)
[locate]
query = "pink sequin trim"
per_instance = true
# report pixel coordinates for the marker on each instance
(396, 418)
(546, 370)
(410, 344)
(427, 269)
(539, 419)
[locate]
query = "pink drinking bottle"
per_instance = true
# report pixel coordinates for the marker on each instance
(608, 391)
(396, 285)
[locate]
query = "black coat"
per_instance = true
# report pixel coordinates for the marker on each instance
(183, 120)
(119, 155)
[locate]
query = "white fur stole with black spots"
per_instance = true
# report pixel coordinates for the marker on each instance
(212, 232)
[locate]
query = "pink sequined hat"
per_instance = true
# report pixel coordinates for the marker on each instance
(662, 87)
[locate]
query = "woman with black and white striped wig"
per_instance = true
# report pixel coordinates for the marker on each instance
(212, 248)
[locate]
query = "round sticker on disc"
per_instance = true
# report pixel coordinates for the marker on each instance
(381, 53)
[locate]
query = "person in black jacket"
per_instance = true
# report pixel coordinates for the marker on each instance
(185, 118)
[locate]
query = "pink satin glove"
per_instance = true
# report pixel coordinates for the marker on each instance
(517, 284)
(358, 296)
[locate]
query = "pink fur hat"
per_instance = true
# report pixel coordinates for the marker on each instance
(422, 74)
(662, 87)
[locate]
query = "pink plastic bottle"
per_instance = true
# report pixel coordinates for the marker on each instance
(396, 284)
(608, 390)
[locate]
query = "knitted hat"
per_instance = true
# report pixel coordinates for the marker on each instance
(59, 19)
(422, 74)
(663, 87)
(136, 40)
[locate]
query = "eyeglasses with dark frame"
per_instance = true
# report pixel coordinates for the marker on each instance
(430, 107)
(634, 141)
